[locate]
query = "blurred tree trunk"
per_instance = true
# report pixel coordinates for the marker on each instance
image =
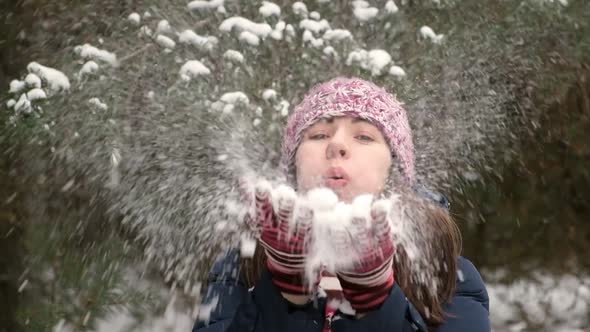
(11, 247)
(15, 19)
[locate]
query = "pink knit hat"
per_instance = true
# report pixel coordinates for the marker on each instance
(358, 98)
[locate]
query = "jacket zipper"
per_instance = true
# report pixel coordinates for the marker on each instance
(328, 325)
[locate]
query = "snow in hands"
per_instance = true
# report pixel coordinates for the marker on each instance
(333, 229)
(331, 224)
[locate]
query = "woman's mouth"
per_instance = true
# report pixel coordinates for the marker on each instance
(336, 177)
(336, 183)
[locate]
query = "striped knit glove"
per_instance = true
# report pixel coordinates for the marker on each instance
(366, 284)
(284, 239)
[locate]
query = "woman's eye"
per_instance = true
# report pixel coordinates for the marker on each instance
(318, 136)
(365, 138)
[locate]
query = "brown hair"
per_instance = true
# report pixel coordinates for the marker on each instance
(443, 249)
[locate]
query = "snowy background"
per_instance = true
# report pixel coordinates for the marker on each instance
(124, 124)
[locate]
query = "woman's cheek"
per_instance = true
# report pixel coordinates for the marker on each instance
(304, 176)
(372, 184)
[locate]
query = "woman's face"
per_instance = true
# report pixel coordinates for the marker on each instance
(348, 155)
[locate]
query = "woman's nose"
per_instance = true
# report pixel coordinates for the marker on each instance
(337, 150)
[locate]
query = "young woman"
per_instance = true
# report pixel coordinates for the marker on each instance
(353, 137)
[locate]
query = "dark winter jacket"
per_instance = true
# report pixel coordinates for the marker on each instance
(263, 309)
(234, 307)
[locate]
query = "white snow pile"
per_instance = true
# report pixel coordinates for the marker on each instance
(269, 9)
(33, 81)
(561, 2)
(233, 56)
(55, 80)
(314, 26)
(397, 71)
(36, 94)
(269, 94)
(242, 24)
(134, 18)
(229, 100)
(95, 102)
(391, 7)
(337, 34)
(193, 69)
(191, 38)
(221, 10)
(329, 51)
(558, 303)
(23, 104)
(427, 33)
(89, 52)
(249, 38)
(315, 15)
(90, 67)
(16, 86)
(277, 32)
(280, 105)
(165, 42)
(283, 107)
(236, 97)
(309, 38)
(290, 32)
(299, 8)
(374, 60)
(145, 31)
(363, 11)
(164, 27)
(203, 4)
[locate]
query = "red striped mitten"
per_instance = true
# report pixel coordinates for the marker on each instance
(369, 280)
(284, 239)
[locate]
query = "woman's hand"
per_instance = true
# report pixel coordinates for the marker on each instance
(285, 236)
(367, 282)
